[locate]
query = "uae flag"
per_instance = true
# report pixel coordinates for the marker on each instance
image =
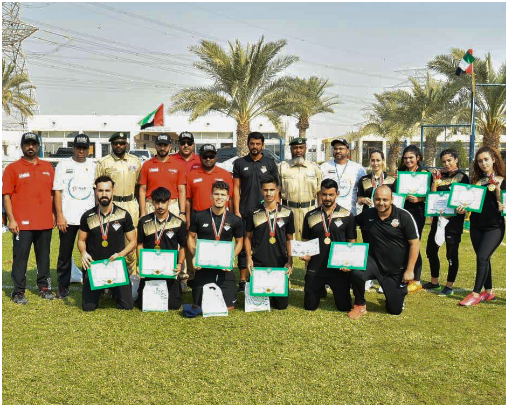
(466, 64)
(155, 118)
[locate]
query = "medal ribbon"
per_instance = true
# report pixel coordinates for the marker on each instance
(381, 180)
(158, 236)
(492, 178)
(272, 227)
(327, 229)
(101, 220)
(217, 235)
(438, 174)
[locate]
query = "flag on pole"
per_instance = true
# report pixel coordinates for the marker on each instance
(466, 63)
(155, 118)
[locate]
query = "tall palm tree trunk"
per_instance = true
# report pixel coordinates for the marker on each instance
(492, 139)
(242, 132)
(430, 146)
(393, 155)
(302, 125)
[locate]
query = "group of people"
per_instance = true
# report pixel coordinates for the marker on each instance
(119, 206)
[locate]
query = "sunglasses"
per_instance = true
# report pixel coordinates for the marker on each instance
(119, 143)
(208, 157)
(186, 143)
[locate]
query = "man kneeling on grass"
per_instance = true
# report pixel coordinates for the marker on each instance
(102, 233)
(393, 250)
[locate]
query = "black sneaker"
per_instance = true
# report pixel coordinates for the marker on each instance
(241, 286)
(62, 292)
(19, 298)
(46, 294)
(430, 286)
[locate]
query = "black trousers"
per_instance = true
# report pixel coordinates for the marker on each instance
(21, 245)
(242, 256)
(225, 280)
(394, 290)
(452, 241)
(64, 264)
(90, 298)
(420, 223)
(315, 284)
(174, 292)
(485, 244)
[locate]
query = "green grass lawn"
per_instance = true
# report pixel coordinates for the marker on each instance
(434, 353)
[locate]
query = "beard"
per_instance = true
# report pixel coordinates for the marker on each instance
(104, 201)
(298, 160)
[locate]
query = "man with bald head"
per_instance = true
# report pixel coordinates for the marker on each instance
(393, 250)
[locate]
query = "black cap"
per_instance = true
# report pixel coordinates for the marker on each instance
(81, 140)
(298, 141)
(30, 137)
(205, 148)
(163, 138)
(341, 141)
(186, 134)
(117, 135)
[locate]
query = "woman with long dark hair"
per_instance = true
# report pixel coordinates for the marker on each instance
(411, 161)
(487, 227)
(442, 181)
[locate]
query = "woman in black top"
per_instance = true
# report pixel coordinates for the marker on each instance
(442, 181)
(488, 226)
(375, 178)
(411, 161)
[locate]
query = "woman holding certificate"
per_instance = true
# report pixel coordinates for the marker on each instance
(161, 235)
(410, 182)
(210, 242)
(442, 182)
(488, 226)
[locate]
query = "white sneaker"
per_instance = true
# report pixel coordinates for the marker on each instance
(380, 290)
(368, 285)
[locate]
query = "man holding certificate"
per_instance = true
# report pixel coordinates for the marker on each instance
(210, 229)
(102, 234)
(163, 232)
(394, 248)
(328, 223)
(269, 231)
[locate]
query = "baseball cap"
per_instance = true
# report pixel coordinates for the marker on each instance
(163, 138)
(341, 141)
(30, 137)
(186, 134)
(81, 140)
(206, 148)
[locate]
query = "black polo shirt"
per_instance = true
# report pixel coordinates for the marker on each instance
(265, 254)
(174, 235)
(389, 238)
(365, 187)
(456, 223)
(417, 209)
(201, 224)
(342, 229)
(120, 222)
(490, 217)
(249, 172)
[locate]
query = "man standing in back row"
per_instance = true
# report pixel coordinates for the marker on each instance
(345, 173)
(247, 172)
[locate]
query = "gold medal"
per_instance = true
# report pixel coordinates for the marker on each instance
(328, 240)
(104, 243)
(157, 271)
(268, 290)
(438, 182)
(109, 281)
(272, 240)
(157, 247)
(491, 187)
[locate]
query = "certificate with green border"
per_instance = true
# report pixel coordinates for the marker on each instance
(399, 200)
(471, 197)
(107, 274)
(348, 255)
(268, 282)
(214, 254)
(413, 183)
(503, 201)
(436, 204)
(157, 263)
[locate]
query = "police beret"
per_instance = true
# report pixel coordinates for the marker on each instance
(297, 141)
(117, 135)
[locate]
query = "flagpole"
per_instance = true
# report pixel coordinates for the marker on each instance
(473, 110)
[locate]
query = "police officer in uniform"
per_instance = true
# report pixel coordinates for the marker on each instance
(124, 169)
(299, 182)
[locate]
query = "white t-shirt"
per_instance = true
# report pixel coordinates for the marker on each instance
(75, 180)
(347, 177)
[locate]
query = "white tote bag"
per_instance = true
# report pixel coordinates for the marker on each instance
(155, 296)
(213, 304)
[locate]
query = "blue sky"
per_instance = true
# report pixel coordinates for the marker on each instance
(380, 42)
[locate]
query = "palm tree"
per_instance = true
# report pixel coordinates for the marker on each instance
(490, 100)
(246, 83)
(306, 99)
(13, 86)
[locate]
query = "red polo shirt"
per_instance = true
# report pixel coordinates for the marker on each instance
(199, 186)
(187, 166)
(30, 188)
(155, 174)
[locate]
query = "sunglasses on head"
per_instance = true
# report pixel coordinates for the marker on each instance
(186, 143)
(119, 143)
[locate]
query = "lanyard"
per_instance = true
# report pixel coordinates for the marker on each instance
(270, 225)
(323, 214)
(343, 171)
(381, 180)
(217, 235)
(104, 234)
(158, 236)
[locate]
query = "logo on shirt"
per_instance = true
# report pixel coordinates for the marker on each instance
(47, 173)
(197, 180)
(24, 175)
(170, 233)
(25, 222)
(69, 170)
(219, 179)
(395, 223)
(280, 222)
(116, 225)
(338, 223)
(263, 169)
(205, 225)
(194, 166)
(172, 170)
(153, 170)
(246, 168)
(227, 227)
